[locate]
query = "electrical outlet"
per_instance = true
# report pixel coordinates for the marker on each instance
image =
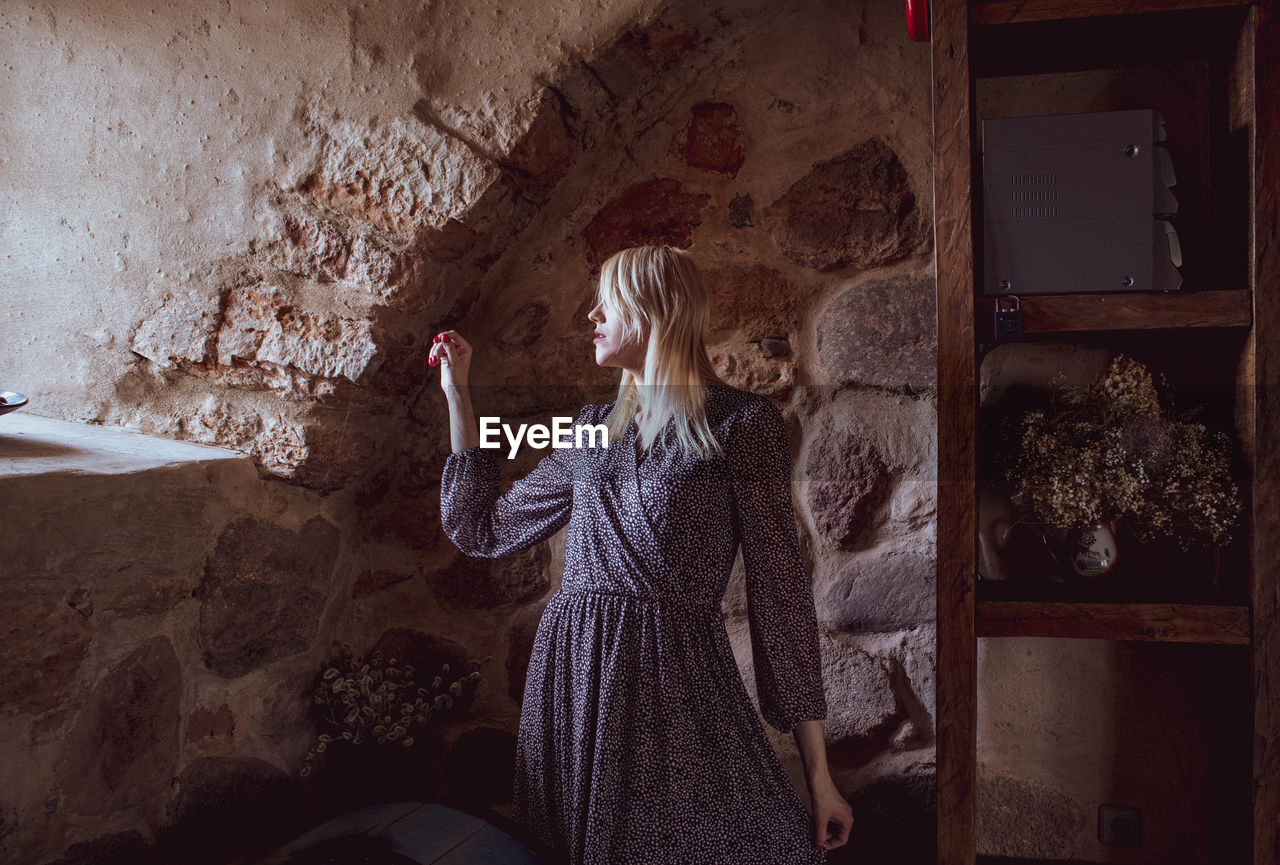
(1120, 825)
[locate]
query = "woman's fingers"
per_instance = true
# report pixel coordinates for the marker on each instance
(449, 349)
(827, 812)
(443, 345)
(843, 820)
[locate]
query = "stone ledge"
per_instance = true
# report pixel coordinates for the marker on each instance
(35, 445)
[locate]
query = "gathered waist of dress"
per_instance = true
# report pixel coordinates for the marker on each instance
(666, 602)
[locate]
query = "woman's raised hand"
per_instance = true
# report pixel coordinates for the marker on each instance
(452, 354)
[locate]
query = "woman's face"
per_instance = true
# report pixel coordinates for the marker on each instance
(610, 349)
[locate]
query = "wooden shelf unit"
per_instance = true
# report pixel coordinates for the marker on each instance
(1247, 297)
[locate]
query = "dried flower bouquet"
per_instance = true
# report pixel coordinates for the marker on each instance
(1112, 450)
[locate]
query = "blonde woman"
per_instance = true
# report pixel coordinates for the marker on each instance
(638, 742)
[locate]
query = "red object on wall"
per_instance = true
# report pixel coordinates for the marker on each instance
(918, 20)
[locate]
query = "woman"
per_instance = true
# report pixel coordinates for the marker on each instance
(638, 742)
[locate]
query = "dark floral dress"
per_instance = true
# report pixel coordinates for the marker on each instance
(638, 741)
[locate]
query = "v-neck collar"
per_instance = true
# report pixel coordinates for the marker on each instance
(632, 476)
(633, 461)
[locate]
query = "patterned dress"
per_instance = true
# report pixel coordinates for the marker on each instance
(638, 741)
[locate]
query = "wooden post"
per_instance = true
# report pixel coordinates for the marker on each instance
(1265, 588)
(957, 419)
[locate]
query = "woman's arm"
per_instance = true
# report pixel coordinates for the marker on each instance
(477, 516)
(453, 354)
(463, 432)
(785, 647)
(784, 629)
(813, 750)
(828, 805)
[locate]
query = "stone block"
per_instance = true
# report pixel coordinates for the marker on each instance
(124, 746)
(628, 65)
(263, 591)
(148, 597)
(753, 299)
(846, 479)
(262, 323)
(485, 584)
(746, 367)
(129, 847)
(182, 329)
(402, 177)
(212, 794)
(45, 642)
(658, 210)
(855, 209)
(875, 594)
(862, 707)
(882, 333)
(713, 139)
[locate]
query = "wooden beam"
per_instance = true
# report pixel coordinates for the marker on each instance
(1019, 11)
(1157, 623)
(957, 646)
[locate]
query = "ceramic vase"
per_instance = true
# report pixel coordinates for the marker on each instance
(1092, 551)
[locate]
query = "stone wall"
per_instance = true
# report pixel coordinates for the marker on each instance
(243, 228)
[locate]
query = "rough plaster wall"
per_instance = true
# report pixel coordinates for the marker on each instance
(141, 140)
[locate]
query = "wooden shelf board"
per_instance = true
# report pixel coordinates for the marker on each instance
(1020, 11)
(1169, 623)
(987, 859)
(1066, 313)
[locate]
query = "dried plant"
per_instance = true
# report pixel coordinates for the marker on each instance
(1110, 450)
(363, 699)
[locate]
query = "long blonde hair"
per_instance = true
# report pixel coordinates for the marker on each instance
(659, 291)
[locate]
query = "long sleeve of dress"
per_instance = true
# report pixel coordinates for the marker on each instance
(485, 522)
(780, 608)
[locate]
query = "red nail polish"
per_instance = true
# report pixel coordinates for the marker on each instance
(446, 337)
(435, 339)
(431, 361)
